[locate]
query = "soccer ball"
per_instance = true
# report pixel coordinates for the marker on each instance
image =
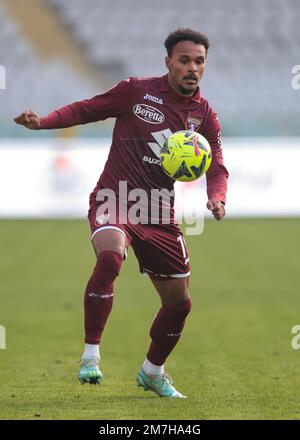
(185, 156)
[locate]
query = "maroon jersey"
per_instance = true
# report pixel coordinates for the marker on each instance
(147, 111)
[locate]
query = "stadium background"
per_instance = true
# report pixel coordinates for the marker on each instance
(236, 359)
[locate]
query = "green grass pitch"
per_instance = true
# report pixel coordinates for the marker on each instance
(234, 361)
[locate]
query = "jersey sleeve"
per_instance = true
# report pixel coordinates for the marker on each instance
(108, 105)
(217, 174)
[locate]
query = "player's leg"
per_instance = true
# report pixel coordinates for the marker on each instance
(164, 257)
(172, 290)
(168, 324)
(165, 333)
(109, 246)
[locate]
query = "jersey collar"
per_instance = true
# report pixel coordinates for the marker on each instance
(165, 87)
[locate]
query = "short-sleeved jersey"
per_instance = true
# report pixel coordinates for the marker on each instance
(147, 111)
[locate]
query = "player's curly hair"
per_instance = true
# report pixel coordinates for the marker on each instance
(185, 34)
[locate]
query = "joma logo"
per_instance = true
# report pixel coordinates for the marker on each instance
(153, 98)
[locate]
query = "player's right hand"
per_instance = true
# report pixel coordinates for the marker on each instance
(29, 119)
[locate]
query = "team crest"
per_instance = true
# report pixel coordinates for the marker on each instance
(193, 123)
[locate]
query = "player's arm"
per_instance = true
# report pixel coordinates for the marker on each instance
(217, 174)
(108, 105)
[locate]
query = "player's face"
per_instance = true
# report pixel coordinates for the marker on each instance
(186, 66)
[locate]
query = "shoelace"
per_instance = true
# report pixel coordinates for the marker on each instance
(165, 378)
(168, 378)
(84, 362)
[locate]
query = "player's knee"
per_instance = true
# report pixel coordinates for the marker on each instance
(183, 309)
(178, 312)
(170, 319)
(109, 264)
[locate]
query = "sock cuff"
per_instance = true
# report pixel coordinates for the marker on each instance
(110, 253)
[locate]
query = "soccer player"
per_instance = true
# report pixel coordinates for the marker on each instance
(147, 110)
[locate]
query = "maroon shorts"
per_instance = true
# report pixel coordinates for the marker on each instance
(159, 248)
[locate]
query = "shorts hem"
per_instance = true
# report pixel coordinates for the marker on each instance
(148, 273)
(111, 227)
(102, 228)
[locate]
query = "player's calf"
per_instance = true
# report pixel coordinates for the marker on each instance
(98, 299)
(166, 330)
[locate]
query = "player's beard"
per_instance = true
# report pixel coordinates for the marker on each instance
(187, 92)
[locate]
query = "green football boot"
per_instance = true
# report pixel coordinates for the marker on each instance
(161, 385)
(89, 371)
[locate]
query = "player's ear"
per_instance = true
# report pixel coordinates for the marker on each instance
(168, 62)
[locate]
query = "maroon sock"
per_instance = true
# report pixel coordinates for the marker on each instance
(98, 298)
(166, 331)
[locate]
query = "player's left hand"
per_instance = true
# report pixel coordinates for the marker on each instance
(217, 208)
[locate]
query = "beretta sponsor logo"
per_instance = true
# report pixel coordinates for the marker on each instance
(148, 114)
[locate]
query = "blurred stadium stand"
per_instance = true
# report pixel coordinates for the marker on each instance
(34, 80)
(254, 44)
